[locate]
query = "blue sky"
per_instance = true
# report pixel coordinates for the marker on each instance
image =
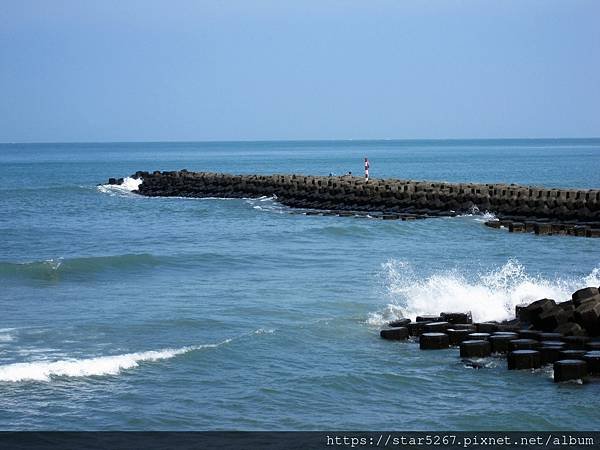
(250, 70)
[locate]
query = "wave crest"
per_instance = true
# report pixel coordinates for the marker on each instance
(128, 186)
(50, 268)
(103, 365)
(267, 204)
(480, 216)
(489, 296)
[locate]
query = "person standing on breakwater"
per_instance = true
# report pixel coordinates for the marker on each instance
(366, 169)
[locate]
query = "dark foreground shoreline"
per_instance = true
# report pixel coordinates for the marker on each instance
(519, 208)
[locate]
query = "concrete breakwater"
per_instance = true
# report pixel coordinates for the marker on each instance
(512, 203)
(565, 335)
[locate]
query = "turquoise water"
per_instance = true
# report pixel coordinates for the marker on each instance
(123, 312)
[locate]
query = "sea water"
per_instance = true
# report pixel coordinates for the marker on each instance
(124, 312)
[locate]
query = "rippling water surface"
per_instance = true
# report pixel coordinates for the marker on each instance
(123, 312)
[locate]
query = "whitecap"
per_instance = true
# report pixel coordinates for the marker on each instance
(267, 204)
(264, 331)
(487, 216)
(54, 264)
(6, 337)
(126, 188)
(489, 296)
(480, 216)
(98, 366)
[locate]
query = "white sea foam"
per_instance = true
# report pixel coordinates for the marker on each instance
(129, 185)
(43, 351)
(487, 216)
(54, 264)
(6, 335)
(102, 365)
(264, 331)
(489, 296)
(480, 216)
(480, 363)
(268, 204)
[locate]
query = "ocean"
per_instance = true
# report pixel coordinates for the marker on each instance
(120, 312)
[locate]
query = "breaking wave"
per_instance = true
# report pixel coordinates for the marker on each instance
(267, 204)
(102, 365)
(480, 216)
(126, 188)
(45, 370)
(489, 296)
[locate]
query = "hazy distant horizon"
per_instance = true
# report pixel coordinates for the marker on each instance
(249, 70)
(233, 141)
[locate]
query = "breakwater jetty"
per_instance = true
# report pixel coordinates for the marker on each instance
(563, 335)
(519, 208)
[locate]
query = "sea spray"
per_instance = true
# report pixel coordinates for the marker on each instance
(489, 296)
(129, 185)
(480, 216)
(486, 217)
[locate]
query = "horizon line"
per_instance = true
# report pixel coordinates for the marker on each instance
(218, 141)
